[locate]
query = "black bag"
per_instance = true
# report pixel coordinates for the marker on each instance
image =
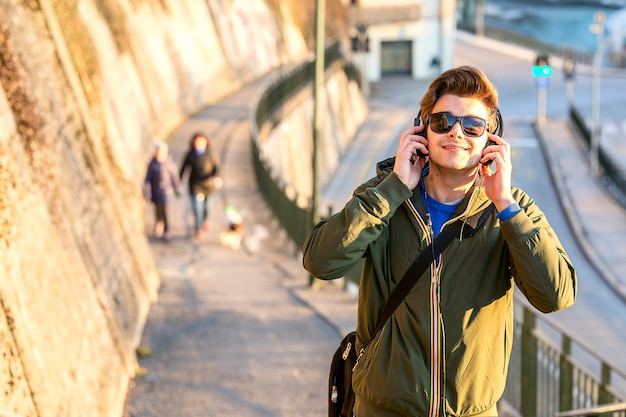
(340, 393)
(341, 398)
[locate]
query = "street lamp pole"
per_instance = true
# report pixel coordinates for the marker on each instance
(480, 18)
(569, 67)
(318, 101)
(598, 29)
(317, 112)
(595, 108)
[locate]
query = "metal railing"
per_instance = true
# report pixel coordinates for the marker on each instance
(546, 374)
(293, 218)
(288, 84)
(612, 173)
(580, 55)
(613, 409)
(292, 211)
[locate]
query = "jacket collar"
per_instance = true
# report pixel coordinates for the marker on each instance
(474, 201)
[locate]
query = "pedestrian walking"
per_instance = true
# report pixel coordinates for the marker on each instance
(203, 180)
(446, 348)
(160, 182)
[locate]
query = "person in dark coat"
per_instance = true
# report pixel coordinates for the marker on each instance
(203, 180)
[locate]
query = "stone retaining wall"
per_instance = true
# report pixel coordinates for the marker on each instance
(87, 87)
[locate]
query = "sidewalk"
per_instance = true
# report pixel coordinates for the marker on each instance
(598, 222)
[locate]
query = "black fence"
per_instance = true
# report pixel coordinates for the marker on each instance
(292, 211)
(550, 372)
(613, 175)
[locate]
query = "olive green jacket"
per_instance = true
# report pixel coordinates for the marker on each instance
(452, 337)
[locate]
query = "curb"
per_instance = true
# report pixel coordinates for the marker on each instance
(573, 218)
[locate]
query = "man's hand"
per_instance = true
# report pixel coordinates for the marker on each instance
(498, 183)
(408, 165)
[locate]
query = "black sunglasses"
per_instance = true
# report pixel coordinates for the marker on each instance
(443, 122)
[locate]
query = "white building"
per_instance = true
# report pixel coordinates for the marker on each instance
(412, 37)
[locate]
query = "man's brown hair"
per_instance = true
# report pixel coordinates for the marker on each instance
(464, 81)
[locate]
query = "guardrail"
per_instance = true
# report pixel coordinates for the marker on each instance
(580, 55)
(288, 207)
(612, 409)
(613, 174)
(546, 371)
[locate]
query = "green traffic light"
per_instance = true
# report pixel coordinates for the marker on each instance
(542, 70)
(546, 70)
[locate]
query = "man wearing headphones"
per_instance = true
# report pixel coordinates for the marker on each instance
(446, 348)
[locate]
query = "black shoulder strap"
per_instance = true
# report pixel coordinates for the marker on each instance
(415, 271)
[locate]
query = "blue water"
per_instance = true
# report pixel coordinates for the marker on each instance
(555, 23)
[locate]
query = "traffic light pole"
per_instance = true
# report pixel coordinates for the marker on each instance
(542, 72)
(542, 99)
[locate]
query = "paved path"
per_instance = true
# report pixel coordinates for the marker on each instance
(228, 336)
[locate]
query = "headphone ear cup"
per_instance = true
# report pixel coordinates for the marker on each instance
(418, 119)
(499, 127)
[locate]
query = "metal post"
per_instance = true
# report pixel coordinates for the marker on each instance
(361, 49)
(566, 379)
(318, 99)
(362, 53)
(317, 110)
(569, 92)
(605, 396)
(542, 98)
(599, 18)
(480, 18)
(598, 28)
(569, 66)
(529, 365)
(595, 109)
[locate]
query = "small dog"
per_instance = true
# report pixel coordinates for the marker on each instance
(233, 235)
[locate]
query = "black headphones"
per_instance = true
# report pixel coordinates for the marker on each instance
(498, 129)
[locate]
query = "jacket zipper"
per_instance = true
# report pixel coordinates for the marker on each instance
(437, 340)
(436, 356)
(435, 324)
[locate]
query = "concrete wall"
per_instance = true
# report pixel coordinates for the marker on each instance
(288, 147)
(86, 88)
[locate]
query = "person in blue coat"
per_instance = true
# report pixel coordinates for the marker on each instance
(160, 183)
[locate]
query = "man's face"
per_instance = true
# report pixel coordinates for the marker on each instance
(456, 150)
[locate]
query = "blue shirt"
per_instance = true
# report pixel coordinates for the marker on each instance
(440, 212)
